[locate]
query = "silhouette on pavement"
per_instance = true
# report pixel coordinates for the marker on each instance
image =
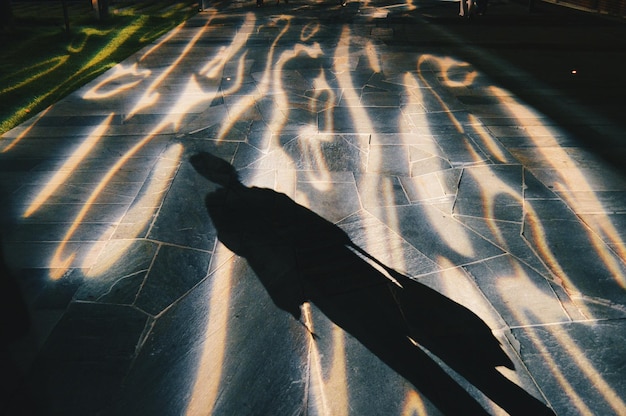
(299, 256)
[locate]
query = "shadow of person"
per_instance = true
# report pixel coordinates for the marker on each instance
(300, 257)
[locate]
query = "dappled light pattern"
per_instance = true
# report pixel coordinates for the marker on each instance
(42, 65)
(404, 191)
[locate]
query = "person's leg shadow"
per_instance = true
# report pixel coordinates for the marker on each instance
(298, 256)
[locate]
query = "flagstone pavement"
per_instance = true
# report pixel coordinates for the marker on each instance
(383, 150)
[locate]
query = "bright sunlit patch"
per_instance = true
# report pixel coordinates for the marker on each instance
(449, 229)
(444, 64)
(59, 264)
(329, 387)
(341, 67)
(571, 183)
(263, 87)
(141, 212)
(449, 66)
(43, 68)
(372, 56)
(68, 167)
(165, 39)
(115, 43)
(192, 95)
(413, 405)
(87, 33)
(569, 391)
(281, 110)
(311, 146)
(324, 101)
(216, 65)
(311, 142)
(540, 244)
(487, 139)
(23, 134)
(208, 378)
(579, 356)
(613, 263)
(151, 95)
(490, 192)
(309, 30)
(118, 72)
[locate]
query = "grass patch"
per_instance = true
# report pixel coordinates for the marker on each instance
(40, 62)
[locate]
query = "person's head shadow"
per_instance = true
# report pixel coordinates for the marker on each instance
(215, 169)
(300, 257)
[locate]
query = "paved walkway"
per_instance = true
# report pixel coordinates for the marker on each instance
(382, 151)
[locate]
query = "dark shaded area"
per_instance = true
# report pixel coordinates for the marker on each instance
(6, 13)
(14, 324)
(547, 43)
(298, 256)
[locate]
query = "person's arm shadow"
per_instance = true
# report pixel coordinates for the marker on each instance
(299, 256)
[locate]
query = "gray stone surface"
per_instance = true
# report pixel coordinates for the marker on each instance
(445, 149)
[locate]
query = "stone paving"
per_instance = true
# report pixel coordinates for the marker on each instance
(375, 162)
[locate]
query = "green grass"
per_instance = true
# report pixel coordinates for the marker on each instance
(41, 63)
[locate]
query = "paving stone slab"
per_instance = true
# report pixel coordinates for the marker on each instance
(90, 349)
(570, 373)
